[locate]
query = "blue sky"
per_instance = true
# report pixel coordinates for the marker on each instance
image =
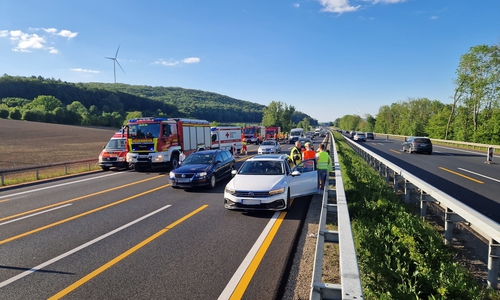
(327, 58)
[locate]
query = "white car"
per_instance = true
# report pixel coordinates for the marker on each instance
(269, 146)
(267, 182)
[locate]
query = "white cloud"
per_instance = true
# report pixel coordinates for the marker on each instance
(67, 34)
(296, 5)
(26, 42)
(388, 1)
(85, 71)
(434, 18)
(337, 6)
(173, 63)
(169, 63)
(191, 60)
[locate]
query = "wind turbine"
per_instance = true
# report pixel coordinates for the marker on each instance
(115, 61)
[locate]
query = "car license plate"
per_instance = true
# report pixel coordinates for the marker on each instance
(108, 165)
(183, 180)
(250, 202)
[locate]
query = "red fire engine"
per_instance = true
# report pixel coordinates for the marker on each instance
(254, 134)
(163, 141)
(273, 132)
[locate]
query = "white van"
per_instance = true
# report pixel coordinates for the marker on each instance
(295, 135)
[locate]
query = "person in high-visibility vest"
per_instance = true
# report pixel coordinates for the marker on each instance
(296, 153)
(244, 147)
(308, 153)
(324, 165)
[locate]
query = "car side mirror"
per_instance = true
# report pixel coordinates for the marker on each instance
(233, 172)
(295, 173)
(218, 162)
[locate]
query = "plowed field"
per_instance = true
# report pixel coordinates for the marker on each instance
(24, 143)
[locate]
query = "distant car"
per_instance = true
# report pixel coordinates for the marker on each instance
(303, 141)
(269, 146)
(351, 134)
(202, 168)
(369, 136)
(359, 137)
(418, 144)
(267, 182)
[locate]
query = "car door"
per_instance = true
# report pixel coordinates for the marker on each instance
(307, 182)
(220, 165)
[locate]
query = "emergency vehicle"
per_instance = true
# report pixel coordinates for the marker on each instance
(228, 138)
(114, 154)
(164, 141)
(254, 134)
(273, 132)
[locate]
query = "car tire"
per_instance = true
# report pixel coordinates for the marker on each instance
(105, 168)
(174, 161)
(212, 182)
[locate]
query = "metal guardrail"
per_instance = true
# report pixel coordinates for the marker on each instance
(350, 281)
(455, 211)
(36, 169)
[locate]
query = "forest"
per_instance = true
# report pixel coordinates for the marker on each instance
(107, 104)
(473, 116)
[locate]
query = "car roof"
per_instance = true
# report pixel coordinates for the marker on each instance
(279, 157)
(209, 151)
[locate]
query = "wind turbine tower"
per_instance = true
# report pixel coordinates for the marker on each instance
(115, 61)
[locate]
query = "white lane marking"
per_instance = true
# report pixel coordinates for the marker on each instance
(233, 283)
(466, 151)
(32, 215)
(487, 177)
(57, 185)
(43, 265)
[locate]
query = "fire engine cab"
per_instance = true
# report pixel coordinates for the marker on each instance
(114, 154)
(163, 141)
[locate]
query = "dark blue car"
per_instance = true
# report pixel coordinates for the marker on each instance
(202, 168)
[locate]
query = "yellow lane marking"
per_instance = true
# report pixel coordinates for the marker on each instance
(395, 151)
(461, 175)
(254, 264)
(114, 261)
(4, 201)
(80, 215)
(78, 198)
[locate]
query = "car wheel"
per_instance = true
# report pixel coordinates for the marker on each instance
(105, 168)
(174, 161)
(213, 180)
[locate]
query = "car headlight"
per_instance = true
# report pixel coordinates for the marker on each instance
(277, 191)
(230, 191)
(171, 175)
(201, 174)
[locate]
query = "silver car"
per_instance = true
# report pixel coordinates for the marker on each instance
(269, 147)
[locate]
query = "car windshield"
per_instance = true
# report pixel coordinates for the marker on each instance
(117, 144)
(272, 143)
(262, 168)
(195, 159)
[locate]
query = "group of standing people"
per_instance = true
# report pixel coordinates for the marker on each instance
(323, 160)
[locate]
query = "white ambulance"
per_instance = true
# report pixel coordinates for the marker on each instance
(228, 138)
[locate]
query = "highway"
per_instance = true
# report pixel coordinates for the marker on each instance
(461, 173)
(124, 235)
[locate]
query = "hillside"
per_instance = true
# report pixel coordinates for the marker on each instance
(27, 143)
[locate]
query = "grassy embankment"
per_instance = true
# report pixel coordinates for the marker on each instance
(400, 255)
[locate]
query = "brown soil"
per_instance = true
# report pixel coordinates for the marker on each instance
(25, 143)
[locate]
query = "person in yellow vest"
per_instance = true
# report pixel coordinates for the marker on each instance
(296, 153)
(324, 165)
(244, 146)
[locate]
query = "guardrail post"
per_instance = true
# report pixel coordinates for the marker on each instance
(424, 198)
(493, 264)
(1, 178)
(396, 182)
(36, 175)
(66, 170)
(450, 218)
(408, 187)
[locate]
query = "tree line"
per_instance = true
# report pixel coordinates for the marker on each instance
(104, 104)
(473, 116)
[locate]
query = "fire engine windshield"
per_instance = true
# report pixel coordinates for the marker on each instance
(117, 144)
(144, 130)
(249, 130)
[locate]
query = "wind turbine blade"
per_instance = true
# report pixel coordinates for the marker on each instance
(120, 66)
(117, 51)
(112, 58)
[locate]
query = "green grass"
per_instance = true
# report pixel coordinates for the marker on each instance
(52, 172)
